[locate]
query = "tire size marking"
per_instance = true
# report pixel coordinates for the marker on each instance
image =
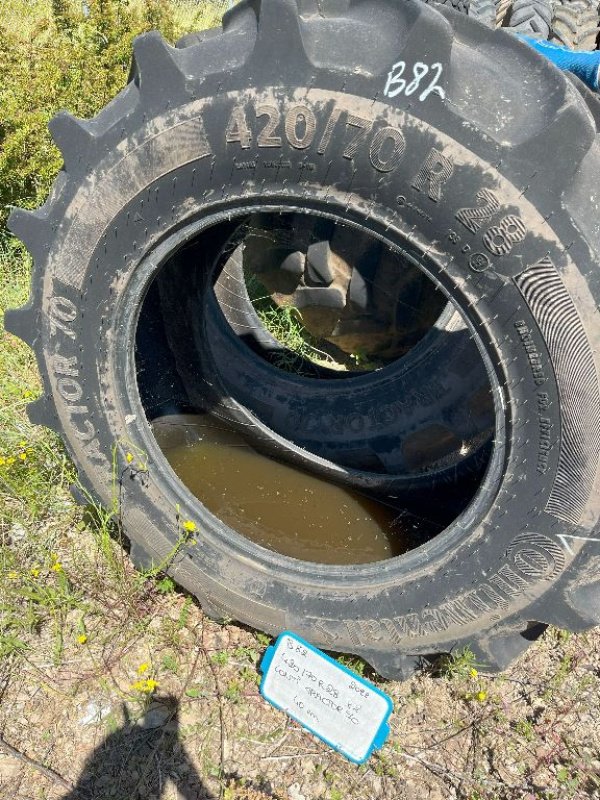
(267, 137)
(498, 239)
(474, 218)
(397, 84)
(363, 128)
(385, 146)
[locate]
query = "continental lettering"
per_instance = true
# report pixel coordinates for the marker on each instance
(535, 359)
(531, 558)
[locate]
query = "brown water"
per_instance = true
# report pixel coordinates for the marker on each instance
(274, 504)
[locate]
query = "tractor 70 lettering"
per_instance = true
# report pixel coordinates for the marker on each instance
(64, 372)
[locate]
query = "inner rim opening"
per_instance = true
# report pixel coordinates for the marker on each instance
(320, 299)
(335, 464)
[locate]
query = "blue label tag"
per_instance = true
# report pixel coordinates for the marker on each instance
(344, 710)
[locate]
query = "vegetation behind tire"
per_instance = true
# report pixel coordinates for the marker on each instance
(498, 210)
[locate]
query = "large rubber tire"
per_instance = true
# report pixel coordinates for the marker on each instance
(531, 17)
(576, 24)
(424, 421)
(521, 264)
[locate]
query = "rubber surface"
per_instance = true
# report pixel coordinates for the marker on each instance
(510, 234)
(532, 17)
(576, 24)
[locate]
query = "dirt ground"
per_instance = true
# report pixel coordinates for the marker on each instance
(156, 701)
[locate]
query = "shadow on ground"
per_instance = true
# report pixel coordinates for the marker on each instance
(140, 760)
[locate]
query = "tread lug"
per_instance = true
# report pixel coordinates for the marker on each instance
(41, 412)
(278, 37)
(33, 229)
(21, 322)
(495, 652)
(393, 666)
(140, 557)
(193, 39)
(157, 72)
(74, 139)
(532, 17)
(585, 600)
(571, 133)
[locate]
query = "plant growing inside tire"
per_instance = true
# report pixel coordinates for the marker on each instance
(378, 119)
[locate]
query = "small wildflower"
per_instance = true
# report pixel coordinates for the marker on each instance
(2, 461)
(82, 638)
(22, 443)
(35, 572)
(56, 567)
(481, 696)
(23, 456)
(143, 668)
(13, 576)
(473, 673)
(129, 457)
(189, 526)
(10, 460)
(147, 686)
(27, 394)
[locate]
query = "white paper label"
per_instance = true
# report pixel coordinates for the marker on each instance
(341, 708)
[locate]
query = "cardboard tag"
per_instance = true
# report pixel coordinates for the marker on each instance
(344, 710)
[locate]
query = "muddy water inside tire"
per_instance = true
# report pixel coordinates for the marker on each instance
(418, 427)
(276, 505)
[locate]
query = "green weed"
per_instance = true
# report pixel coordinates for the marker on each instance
(60, 57)
(459, 664)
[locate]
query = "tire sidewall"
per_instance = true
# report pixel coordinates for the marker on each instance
(502, 554)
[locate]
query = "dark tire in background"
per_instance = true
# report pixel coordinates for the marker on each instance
(499, 201)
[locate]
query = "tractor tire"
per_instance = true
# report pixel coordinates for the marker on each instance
(531, 17)
(576, 24)
(342, 425)
(499, 202)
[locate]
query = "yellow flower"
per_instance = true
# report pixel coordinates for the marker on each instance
(22, 456)
(129, 457)
(189, 526)
(27, 393)
(13, 576)
(35, 572)
(2, 461)
(10, 460)
(82, 638)
(143, 668)
(22, 443)
(147, 686)
(481, 696)
(473, 673)
(56, 567)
